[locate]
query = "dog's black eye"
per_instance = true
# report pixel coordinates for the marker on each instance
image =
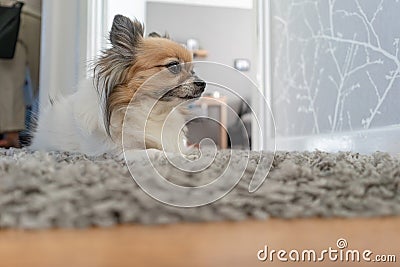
(174, 67)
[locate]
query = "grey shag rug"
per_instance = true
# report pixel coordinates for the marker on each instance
(41, 190)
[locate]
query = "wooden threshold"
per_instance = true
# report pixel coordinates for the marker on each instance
(197, 244)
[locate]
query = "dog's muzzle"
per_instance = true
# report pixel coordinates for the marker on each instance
(189, 90)
(199, 85)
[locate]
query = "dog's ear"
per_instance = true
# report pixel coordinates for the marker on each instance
(156, 34)
(112, 66)
(126, 34)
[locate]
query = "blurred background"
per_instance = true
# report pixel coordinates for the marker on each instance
(328, 69)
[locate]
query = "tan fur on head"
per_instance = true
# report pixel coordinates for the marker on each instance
(133, 60)
(152, 53)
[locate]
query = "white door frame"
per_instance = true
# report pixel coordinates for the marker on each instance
(266, 125)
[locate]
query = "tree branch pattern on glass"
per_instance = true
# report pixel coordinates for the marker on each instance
(335, 66)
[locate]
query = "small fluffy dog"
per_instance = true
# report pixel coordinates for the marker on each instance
(136, 94)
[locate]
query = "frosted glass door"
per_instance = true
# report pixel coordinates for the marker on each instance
(335, 73)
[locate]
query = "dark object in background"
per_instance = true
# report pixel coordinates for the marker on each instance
(9, 28)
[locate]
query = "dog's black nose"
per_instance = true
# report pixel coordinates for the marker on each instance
(200, 83)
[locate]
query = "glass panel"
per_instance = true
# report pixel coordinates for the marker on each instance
(335, 68)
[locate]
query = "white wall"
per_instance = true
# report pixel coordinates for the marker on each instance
(129, 8)
(63, 47)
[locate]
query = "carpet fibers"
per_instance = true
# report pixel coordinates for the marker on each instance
(42, 190)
